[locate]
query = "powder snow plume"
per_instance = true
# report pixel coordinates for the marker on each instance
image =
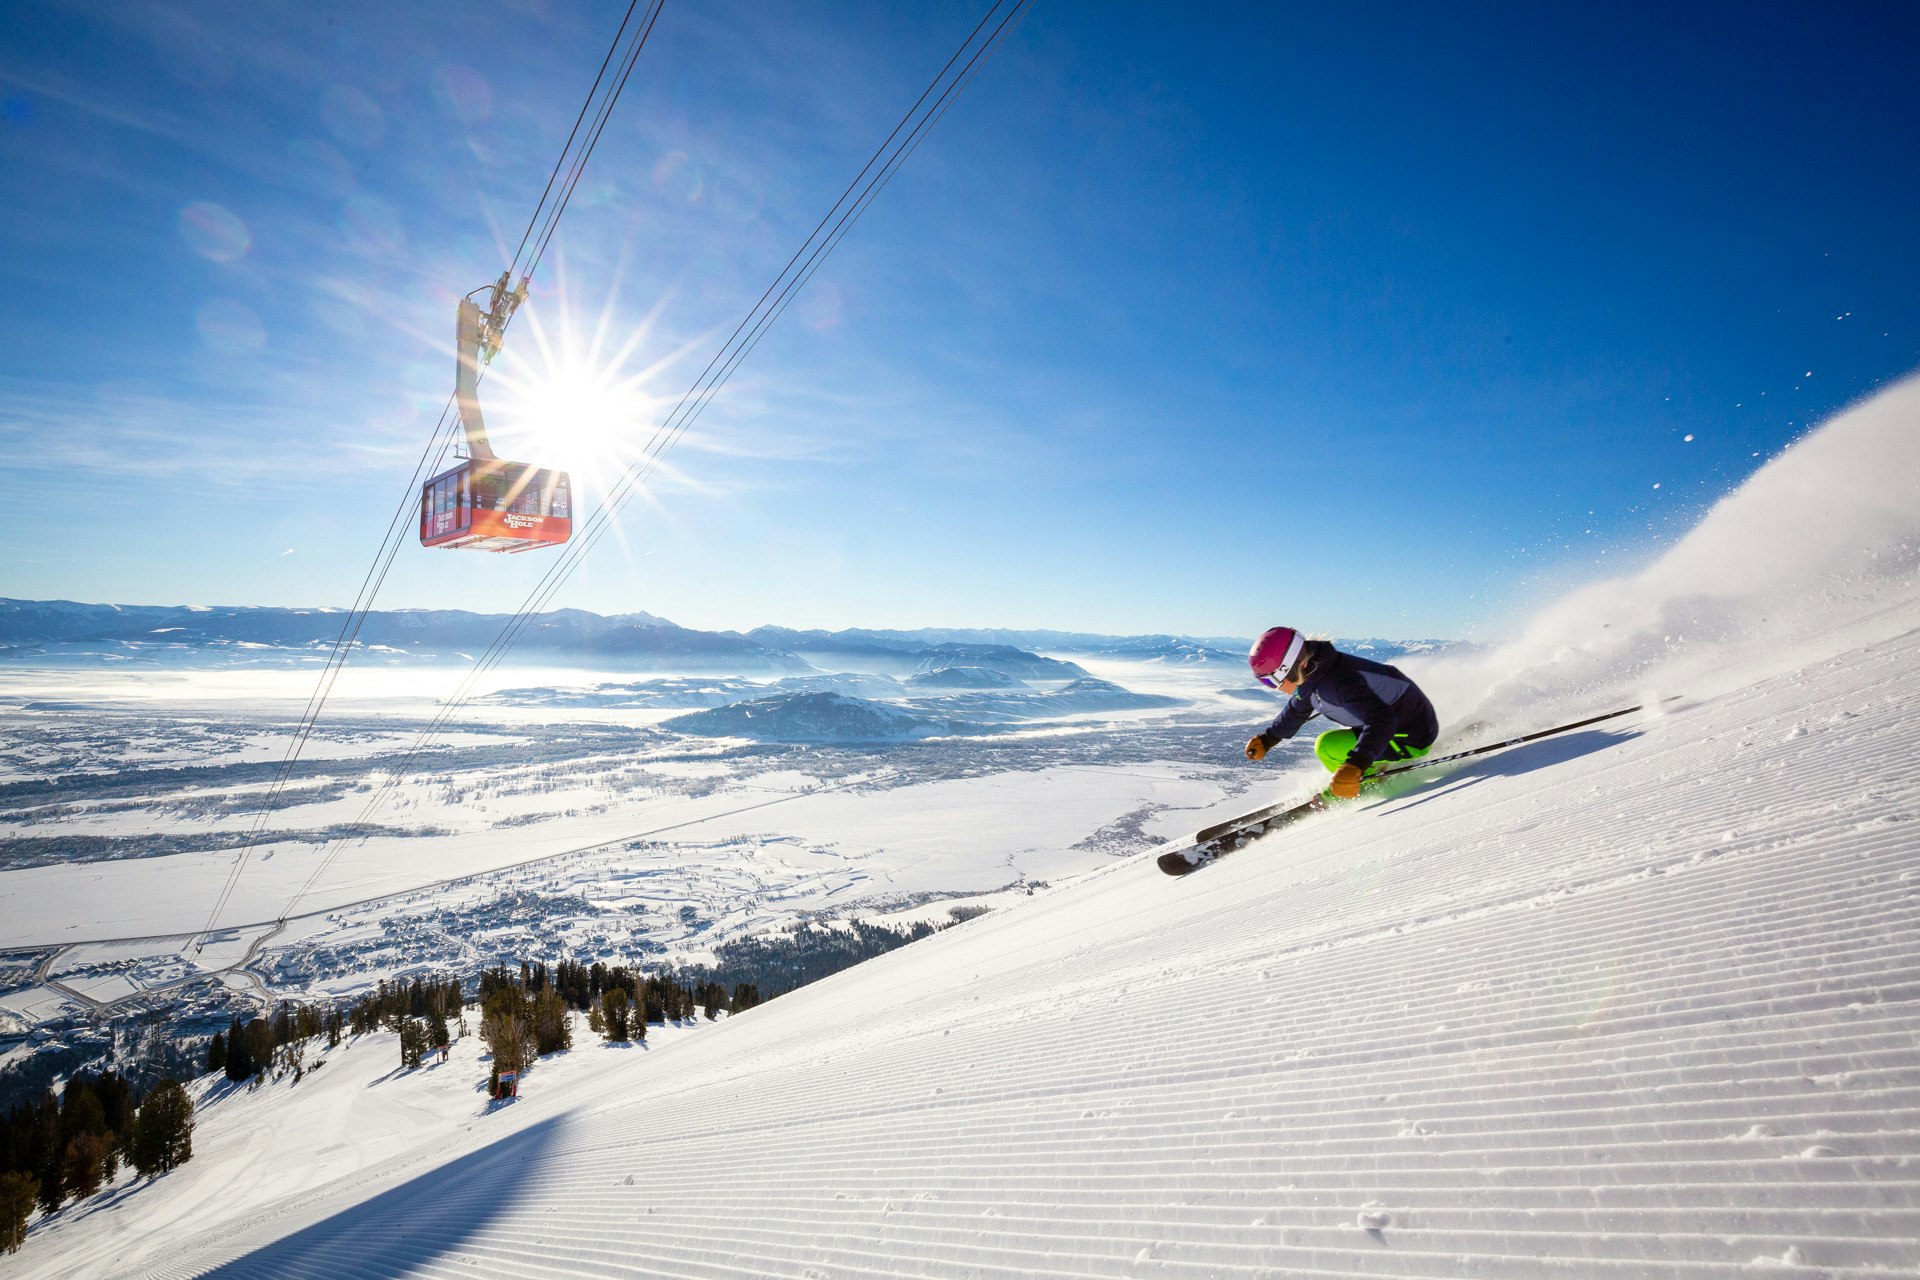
(1825, 536)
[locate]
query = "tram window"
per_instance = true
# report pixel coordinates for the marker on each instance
(489, 492)
(443, 504)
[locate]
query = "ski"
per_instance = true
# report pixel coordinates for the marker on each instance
(1410, 765)
(1210, 844)
(1223, 838)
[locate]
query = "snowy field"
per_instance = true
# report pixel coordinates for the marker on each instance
(556, 816)
(1639, 1001)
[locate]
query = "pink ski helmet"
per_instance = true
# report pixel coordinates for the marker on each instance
(1274, 654)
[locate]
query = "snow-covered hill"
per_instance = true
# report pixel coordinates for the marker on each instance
(1078, 697)
(967, 710)
(964, 678)
(809, 717)
(1638, 1001)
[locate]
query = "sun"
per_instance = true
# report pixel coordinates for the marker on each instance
(579, 418)
(561, 405)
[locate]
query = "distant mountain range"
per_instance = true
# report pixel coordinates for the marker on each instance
(195, 634)
(930, 659)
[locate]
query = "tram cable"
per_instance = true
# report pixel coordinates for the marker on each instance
(343, 644)
(436, 450)
(639, 41)
(574, 132)
(877, 173)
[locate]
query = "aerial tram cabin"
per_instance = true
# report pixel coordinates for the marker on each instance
(488, 503)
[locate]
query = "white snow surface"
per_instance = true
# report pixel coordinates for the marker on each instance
(1638, 1001)
(1791, 566)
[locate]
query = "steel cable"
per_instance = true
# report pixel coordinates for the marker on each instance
(395, 537)
(717, 372)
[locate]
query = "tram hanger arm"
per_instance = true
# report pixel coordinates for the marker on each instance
(478, 339)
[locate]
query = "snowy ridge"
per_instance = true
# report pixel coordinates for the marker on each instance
(1820, 539)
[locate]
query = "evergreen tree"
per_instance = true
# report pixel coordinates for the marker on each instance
(494, 979)
(217, 1052)
(552, 1028)
(163, 1130)
(505, 1033)
(16, 1139)
(116, 1100)
(83, 1122)
(614, 1011)
(86, 1161)
(18, 1192)
(413, 1043)
(240, 1063)
(48, 1155)
(80, 1110)
(393, 1006)
(259, 1037)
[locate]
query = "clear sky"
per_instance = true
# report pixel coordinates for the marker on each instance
(1381, 319)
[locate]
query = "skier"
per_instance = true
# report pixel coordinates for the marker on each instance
(1386, 715)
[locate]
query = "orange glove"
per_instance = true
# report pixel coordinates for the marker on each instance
(1346, 781)
(1256, 748)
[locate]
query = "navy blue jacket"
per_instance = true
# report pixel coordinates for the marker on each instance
(1372, 698)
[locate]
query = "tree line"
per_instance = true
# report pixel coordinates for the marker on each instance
(68, 1146)
(525, 1016)
(422, 1012)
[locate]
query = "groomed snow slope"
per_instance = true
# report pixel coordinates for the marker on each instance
(1643, 1000)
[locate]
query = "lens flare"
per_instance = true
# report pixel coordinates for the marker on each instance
(581, 417)
(563, 408)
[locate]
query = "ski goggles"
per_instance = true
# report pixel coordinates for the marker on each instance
(1272, 679)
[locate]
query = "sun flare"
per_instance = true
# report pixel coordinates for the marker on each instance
(565, 408)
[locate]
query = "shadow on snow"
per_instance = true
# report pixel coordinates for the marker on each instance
(1507, 764)
(414, 1224)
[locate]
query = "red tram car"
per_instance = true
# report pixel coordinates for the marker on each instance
(487, 503)
(490, 504)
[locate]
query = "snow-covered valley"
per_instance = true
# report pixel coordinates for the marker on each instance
(547, 822)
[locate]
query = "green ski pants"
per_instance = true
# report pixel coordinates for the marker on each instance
(1335, 745)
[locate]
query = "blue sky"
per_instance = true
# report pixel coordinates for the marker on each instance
(1382, 321)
